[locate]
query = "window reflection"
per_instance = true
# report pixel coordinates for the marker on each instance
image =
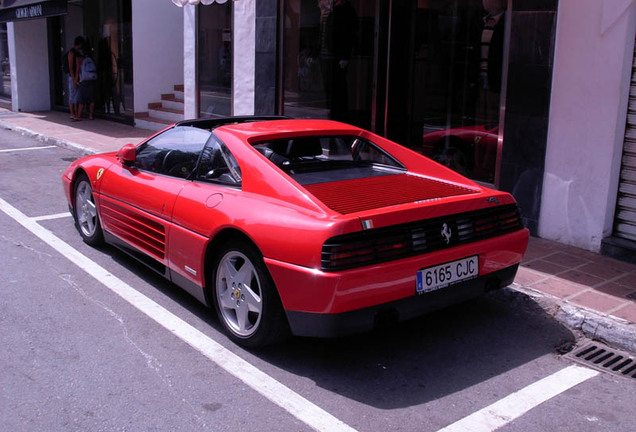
(215, 59)
(5, 88)
(459, 54)
(424, 73)
(328, 59)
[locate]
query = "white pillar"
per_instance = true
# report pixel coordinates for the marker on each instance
(190, 62)
(244, 47)
(29, 60)
(588, 107)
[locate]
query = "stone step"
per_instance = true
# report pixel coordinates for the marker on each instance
(145, 121)
(171, 102)
(160, 112)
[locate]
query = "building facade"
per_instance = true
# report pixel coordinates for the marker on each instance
(529, 96)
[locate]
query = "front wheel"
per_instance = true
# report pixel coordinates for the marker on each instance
(85, 212)
(245, 297)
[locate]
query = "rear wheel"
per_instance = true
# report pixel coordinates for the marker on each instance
(85, 212)
(245, 297)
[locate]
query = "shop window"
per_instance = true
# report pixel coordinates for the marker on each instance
(453, 95)
(214, 65)
(328, 59)
(5, 89)
(106, 27)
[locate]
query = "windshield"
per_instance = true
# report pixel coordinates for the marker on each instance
(320, 159)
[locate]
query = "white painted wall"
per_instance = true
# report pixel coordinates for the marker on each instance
(157, 50)
(590, 87)
(29, 59)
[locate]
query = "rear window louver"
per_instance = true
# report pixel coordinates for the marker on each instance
(415, 238)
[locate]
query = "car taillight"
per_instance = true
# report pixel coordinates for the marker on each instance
(378, 245)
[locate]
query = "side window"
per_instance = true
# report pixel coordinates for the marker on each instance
(218, 165)
(174, 152)
(362, 150)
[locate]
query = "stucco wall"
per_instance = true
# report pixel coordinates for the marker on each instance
(29, 59)
(157, 50)
(590, 87)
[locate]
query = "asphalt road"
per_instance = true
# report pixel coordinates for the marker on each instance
(93, 341)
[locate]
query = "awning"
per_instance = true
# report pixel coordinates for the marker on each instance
(182, 3)
(20, 10)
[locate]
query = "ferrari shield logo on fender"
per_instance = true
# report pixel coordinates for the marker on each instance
(99, 173)
(446, 233)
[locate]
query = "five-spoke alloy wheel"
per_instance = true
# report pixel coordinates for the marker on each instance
(85, 212)
(245, 296)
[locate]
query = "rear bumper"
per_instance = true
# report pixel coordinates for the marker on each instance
(329, 303)
(360, 320)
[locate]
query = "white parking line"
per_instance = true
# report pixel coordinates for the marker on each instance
(25, 149)
(515, 405)
(51, 216)
(292, 402)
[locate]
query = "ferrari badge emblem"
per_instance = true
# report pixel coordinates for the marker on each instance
(99, 173)
(446, 233)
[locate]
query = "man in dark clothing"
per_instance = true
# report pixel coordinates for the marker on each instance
(338, 37)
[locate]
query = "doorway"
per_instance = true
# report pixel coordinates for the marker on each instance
(424, 73)
(444, 79)
(106, 26)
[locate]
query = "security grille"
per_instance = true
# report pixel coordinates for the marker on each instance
(625, 220)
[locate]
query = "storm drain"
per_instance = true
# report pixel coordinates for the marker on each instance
(605, 359)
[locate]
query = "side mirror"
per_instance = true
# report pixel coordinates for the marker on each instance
(127, 154)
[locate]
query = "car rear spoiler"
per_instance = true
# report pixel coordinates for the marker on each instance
(211, 123)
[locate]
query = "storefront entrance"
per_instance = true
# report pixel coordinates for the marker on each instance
(5, 88)
(427, 74)
(214, 62)
(106, 26)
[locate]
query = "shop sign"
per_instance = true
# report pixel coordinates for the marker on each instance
(20, 10)
(182, 3)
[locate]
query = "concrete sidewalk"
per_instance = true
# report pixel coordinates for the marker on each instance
(585, 290)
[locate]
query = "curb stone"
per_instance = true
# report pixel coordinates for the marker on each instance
(612, 331)
(47, 139)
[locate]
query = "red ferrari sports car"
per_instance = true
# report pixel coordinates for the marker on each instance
(469, 150)
(310, 226)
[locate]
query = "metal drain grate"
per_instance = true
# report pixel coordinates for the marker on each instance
(605, 359)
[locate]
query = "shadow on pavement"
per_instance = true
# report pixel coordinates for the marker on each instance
(413, 362)
(430, 357)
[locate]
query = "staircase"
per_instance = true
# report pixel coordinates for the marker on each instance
(164, 113)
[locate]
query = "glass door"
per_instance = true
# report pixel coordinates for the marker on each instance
(5, 88)
(444, 81)
(329, 59)
(214, 63)
(106, 26)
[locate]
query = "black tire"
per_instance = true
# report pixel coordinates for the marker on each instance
(245, 297)
(85, 212)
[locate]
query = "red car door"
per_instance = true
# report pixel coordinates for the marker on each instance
(137, 201)
(196, 213)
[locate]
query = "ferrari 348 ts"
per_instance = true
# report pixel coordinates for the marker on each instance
(312, 227)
